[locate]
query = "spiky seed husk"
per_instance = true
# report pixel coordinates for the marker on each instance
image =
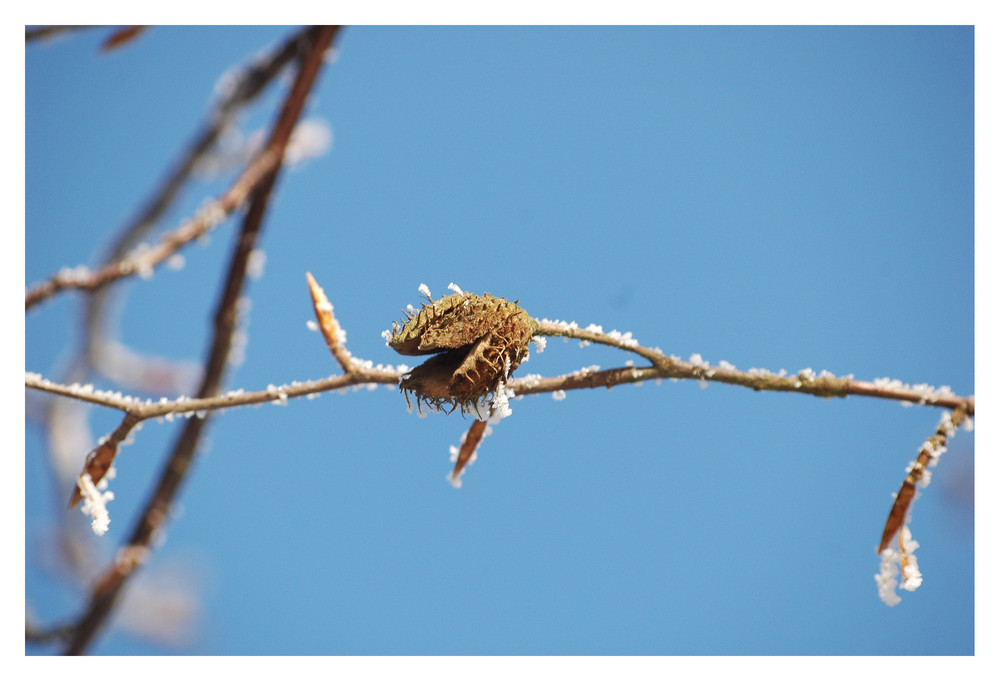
(479, 340)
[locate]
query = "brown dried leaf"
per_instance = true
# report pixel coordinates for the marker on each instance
(99, 462)
(897, 515)
(468, 448)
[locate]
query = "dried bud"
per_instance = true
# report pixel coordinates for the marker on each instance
(479, 341)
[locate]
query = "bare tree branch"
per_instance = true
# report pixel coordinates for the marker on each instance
(253, 187)
(109, 586)
(122, 259)
(805, 381)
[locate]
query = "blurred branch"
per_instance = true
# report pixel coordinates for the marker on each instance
(48, 32)
(120, 262)
(47, 635)
(109, 586)
(121, 37)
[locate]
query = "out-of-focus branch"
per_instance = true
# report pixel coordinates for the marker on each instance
(120, 262)
(47, 32)
(98, 350)
(109, 585)
(54, 633)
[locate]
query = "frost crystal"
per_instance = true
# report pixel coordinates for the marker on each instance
(624, 338)
(895, 561)
(886, 578)
(255, 263)
(95, 502)
(310, 139)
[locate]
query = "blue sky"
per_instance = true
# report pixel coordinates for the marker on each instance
(779, 198)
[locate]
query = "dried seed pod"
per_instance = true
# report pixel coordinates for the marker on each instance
(478, 341)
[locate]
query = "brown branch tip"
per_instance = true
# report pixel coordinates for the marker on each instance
(336, 337)
(902, 560)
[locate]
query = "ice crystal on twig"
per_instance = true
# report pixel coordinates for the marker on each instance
(95, 499)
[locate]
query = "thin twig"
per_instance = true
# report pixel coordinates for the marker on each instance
(805, 381)
(362, 373)
(329, 327)
(918, 474)
(670, 367)
(588, 378)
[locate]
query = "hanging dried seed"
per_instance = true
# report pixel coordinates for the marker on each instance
(476, 341)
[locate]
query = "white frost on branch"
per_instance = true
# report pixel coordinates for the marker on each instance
(255, 263)
(75, 275)
(311, 138)
(625, 339)
(929, 393)
(697, 360)
(95, 499)
(895, 561)
(887, 578)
